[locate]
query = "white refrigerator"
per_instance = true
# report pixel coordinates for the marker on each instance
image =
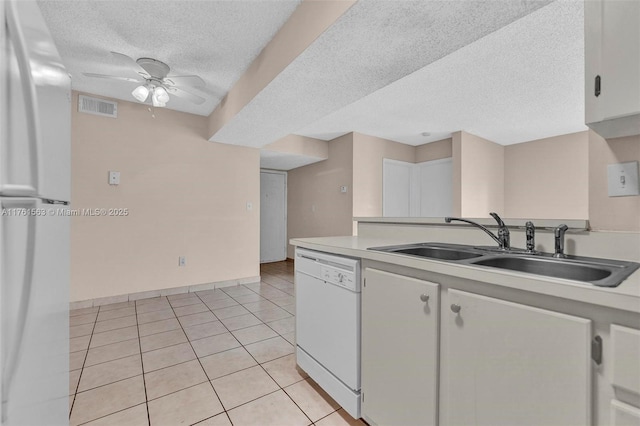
(35, 115)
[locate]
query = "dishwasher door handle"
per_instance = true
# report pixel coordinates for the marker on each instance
(307, 257)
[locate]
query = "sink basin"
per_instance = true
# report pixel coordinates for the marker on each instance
(599, 272)
(438, 253)
(548, 267)
(432, 251)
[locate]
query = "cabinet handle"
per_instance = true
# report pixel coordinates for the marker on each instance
(424, 297)
(598, 86)
(455, 308)
(596, 350)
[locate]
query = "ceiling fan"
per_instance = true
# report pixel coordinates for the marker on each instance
(155, 83)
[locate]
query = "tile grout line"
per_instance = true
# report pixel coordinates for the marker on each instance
(86, 355)
(251, 355)
(198, 358)
(144, 381)
(283, 389)
(115, 412)
(271, 377)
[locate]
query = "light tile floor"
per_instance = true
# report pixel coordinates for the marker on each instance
(212, 358)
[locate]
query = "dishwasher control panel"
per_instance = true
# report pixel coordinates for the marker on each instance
(335, 270)
(338, 276)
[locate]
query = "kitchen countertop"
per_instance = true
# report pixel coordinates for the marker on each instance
(624, 297)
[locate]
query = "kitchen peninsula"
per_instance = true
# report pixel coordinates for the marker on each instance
(451, 344)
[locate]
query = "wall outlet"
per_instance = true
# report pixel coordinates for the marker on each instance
(623, 179)
(343, 189)
(249, 206)
(182, 261)
(114, 178)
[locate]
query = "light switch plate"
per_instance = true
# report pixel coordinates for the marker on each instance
(114, 178)
(623, 179)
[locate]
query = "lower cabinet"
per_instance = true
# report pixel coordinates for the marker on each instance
(624, 415)
(399, 350)
(512, 364)
(625, 375)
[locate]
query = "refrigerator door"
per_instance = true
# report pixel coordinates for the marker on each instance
(35, 110)
(34, 304)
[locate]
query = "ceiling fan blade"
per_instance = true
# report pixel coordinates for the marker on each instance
(205, 90)
(186, 81)
(111, 77)
(132, 63)
(202, 91)
(198, 100)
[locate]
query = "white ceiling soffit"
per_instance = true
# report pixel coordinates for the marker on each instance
(278, 160)
(216, 40)
(520, 83)
(375, 43)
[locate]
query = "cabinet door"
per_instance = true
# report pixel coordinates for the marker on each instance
(620, 58)
(512, 364)
(612, 51)
(625, 353)
(624, 415)
(399, 349)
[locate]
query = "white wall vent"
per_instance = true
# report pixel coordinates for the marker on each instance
(97, 106)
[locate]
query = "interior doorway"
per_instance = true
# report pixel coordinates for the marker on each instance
(273, 216)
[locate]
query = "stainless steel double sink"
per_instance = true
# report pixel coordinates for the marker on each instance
(599, 272)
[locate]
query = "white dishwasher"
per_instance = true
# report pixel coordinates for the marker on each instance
(328, 324)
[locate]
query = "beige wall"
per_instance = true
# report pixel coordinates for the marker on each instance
(434, 151)
(186, 197)
(478, 176)
(368, 153)
(300, 145)
(548, 178)
(355, 160)
(611, 213)
(315, 205)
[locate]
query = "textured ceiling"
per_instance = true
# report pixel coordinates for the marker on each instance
(509, 71)
(374, 44)
(520, 83)
(216, 40)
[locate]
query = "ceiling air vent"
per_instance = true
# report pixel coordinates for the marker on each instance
(97, 106)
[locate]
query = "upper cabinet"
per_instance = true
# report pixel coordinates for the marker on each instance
(612, 67)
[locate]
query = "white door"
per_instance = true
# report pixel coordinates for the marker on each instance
(273, 216)
(417, 190)
(435, 183)
(396, 188)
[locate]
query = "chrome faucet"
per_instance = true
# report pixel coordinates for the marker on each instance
(530, 232)
(559, 235)
(503, 232)
(503, 237)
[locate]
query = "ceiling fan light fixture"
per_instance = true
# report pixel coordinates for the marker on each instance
(161, 94)
(156, 101)
(141, 93)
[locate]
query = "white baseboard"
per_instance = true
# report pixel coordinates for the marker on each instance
(162, 292)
